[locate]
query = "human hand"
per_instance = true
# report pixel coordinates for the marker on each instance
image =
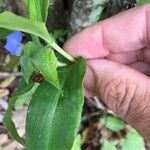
(117, 51)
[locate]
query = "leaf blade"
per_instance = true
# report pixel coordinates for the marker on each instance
(37, 128)
(132, 141)
(38, 9)
(25, 25)
(113, 123)
(46, 63)
(57, 109)
(26, 67)
(9, 124)
(69, 109)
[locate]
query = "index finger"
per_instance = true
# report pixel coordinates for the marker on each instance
(127, 31)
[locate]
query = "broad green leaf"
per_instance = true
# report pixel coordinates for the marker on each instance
(41, 60)
(38, 9)
(9, 124)
(77, 143)
(40, 116)
(144, 1)
(69, 109)
(53, 119)
(113, 123)
(26, 64)
(133, 141)
(108, 146)
(46, 62)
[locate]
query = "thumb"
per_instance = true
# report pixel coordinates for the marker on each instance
(123, 90)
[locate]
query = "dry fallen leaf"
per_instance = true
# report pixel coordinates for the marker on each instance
(4, 93)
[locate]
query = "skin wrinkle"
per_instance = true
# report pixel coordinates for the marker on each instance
(140, 109)
(130, 105)
(118, 92)
(120, 110)
(139, 55)
(108, 90)
(145, 97)
(100, 86)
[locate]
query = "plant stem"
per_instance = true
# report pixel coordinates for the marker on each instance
(61, 51)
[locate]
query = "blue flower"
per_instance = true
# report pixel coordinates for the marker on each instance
(13, 44)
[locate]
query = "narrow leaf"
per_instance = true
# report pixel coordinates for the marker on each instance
(25, 25)
(29, 26)
(9, 124)
(38, 9)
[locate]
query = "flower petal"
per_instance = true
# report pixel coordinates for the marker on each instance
(13, 44)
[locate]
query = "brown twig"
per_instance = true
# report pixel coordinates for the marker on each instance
(4, 75)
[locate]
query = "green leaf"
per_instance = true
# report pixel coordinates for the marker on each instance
(25, 25)
(9, 124)
(69, 109)
(77, 143)
(29, 26)
(60, 35)
(40, 116)
(113, 123)
(23, 88)
(46, 62)
(53, 119)
(26, 64)
(144, 1)
(133, 141)
(21, 99)
(108, 146)
(41, 60)
(38, 9)
(26, 67)
(4, 33)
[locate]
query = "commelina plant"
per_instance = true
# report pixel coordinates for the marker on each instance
(54, 112)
